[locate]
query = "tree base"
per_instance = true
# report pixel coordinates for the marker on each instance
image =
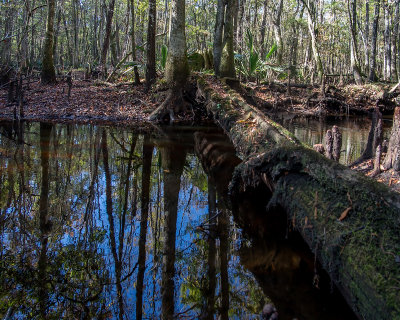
(173, 103)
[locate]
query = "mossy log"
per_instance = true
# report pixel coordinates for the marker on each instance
(349, 221)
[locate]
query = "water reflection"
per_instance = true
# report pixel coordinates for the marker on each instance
(100, 223)
(354, 132)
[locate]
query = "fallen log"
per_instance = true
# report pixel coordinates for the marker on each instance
(349, 221)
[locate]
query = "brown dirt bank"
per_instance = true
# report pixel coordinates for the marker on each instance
(308, 100)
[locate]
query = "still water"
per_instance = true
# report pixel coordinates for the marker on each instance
(105, 223)
(354, 132)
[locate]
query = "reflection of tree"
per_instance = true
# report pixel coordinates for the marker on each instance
(211, 272)
(44, 223)
(146, 171)
(223, 229)
(173, 160)
(117, 255)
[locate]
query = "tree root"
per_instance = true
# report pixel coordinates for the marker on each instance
(173, 103)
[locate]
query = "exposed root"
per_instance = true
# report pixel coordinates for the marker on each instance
(173, 103)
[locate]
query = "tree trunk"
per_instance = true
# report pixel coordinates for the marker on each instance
(387, 47)
(48, 71)
(239, 39)
(106, 42)
(176, 69)
(395, 39)
(133, 41)
(355, 66)
(392, 159)
(263, 27)
(218, 32)
(278, 32)
(5, 45)
(151, 45)
(366, 37)
(227, 67)
(312, 29)
(374, 38)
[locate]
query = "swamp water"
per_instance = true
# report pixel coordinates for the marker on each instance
(105, 223)
(354, 132)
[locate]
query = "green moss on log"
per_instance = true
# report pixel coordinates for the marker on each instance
(351, 222)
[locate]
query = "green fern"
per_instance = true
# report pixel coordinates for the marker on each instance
(271, 51)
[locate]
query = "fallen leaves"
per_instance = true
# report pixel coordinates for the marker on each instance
(347, 210)
(88, 102)
(344, 213)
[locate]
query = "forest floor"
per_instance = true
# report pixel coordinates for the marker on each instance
(89, 102)
(125, 104)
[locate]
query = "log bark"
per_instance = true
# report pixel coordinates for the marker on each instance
(351, 219)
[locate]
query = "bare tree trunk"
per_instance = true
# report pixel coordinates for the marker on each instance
(133, 41)
(151, 45)
(263, 27)
(355, 66)
(278, 32)
(218, 32)
(374, 37)
(366, 37)
(5, 45)
(227, 67)
(75, 19)
(395, 39)
(239, 39)
(176, 69)
(392, 159)
(387, 51)
(106, 42)
(311, 19)
(48, 70)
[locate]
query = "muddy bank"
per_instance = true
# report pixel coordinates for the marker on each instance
(309, 100)
(349, 221)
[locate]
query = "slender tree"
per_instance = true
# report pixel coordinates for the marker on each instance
(48, 70)
(106, 42)
(151, 45)
(374, 39)
(355, 66)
